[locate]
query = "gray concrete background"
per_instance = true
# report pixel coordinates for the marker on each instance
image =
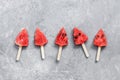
(50, 15)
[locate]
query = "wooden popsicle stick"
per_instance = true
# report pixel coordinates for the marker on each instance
(85, 50)
(98, 54)
(19, 53)
(42, 52)
(59, 53)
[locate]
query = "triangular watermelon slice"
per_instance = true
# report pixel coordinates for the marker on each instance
(100, 39)
(40, 38)
(79, 36)
(62, 39)
(22, 38)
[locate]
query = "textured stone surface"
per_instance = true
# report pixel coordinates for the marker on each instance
(50, 15)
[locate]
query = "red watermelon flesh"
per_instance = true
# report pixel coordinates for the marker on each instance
(79, 36)
(62, 39)
(40, 39)
(100, 39)
(22, 38)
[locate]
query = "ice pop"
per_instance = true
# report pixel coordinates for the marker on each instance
(40, 40)
(22, 41)
(61, 40)
(79, 39)
(100, 41)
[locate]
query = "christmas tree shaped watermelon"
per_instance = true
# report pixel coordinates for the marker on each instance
(22, 41)
(61, 40)
(100, 41)
(40, 40)
(79, 39)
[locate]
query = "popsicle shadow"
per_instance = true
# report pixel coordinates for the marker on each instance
(38, 47)
(95, 48)
(17, 47)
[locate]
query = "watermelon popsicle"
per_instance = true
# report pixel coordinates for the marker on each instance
(61, 40)
(100, 41)
(22, 41)
(40, 40)
(79, 39)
